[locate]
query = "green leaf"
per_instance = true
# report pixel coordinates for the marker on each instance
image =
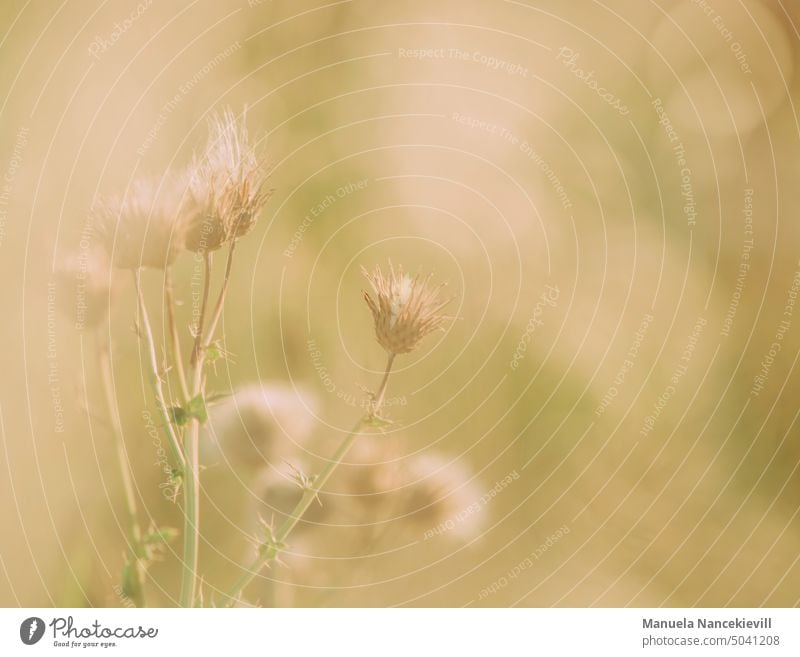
(160, 536)
(196, 408)
(178, 415)
(375, 421)
(130, 582)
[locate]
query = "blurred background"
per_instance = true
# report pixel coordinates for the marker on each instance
(610, 190)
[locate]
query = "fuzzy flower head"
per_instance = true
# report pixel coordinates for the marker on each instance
(442, 497)
(143, 228)
(227, 186)
(405, 308)
(85, 287)
(258, 426)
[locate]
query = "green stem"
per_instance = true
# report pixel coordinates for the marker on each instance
(136, 593)
(174, 336)
(198, 338)
(155, 377)
(215, 317)
(271, 551)
(191, 517)
(158, 393)
(191, 530)
(376, 406)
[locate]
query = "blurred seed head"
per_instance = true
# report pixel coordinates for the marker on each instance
(227, 186)
(442, 495)
(405, 308)
(421, 492)
(259, 426)
(144, 227)
(85, 287)
(369, 480)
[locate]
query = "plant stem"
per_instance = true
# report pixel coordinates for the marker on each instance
(158, 391)
(134, 531)
(174, 336)
(155, 377)
(191, 512)
(212, 325)
(376, 406)
(272, 550)
(198, 337)
(191, 516)
(191, 530)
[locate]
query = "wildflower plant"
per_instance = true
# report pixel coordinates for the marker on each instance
(226, 187)
(405, 311)
(405, 308)
(140, 228)
(204, 209)
(89, 277)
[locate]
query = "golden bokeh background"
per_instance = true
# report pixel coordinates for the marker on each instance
(608, 186)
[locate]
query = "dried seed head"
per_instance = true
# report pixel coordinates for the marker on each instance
(85, 287)
(227, 186)
(405, 309)
(143, 228)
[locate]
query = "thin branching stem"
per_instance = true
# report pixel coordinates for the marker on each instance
(191, 512)
(169, 429)
(198, 337)
(203, 338)
(155, 377)
(136, 595)
(191, 516)
(174, 336)
(215, 317)
(270, 551)
(378, 401)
